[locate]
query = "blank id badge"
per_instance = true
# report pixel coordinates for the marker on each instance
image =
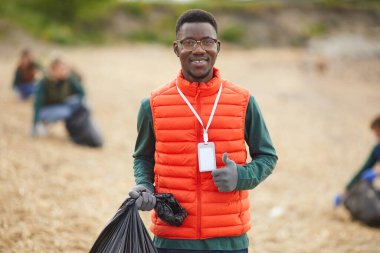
(206, 156)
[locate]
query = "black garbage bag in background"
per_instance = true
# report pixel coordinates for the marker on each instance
(363, 203)
(82, 129)
(126, 232)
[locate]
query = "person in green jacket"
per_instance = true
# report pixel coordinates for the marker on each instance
(24, 82)
(368, 170)
(58, 95)
(200, 42)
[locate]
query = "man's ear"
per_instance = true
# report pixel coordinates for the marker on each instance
(175, 48)
(218, 46)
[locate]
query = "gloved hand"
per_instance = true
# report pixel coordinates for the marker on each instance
(38, 130)
(369, 175)
(226, 178)
(338, 199)
(145, 200)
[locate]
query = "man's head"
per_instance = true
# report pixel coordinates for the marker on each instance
(197, 44)
(58, 69)
(26, 57)
(375, 126)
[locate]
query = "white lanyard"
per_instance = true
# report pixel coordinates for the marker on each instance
(205, 135)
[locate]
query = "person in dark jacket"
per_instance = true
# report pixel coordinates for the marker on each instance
(24, 81)
(368, 170)
(58, 95)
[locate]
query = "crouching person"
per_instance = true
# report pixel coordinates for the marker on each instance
(362, 195)
(25, 75)
(60, 97)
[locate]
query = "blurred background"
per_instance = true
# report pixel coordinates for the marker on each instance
(313, 67)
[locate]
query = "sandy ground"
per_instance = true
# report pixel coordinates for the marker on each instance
(56, 196)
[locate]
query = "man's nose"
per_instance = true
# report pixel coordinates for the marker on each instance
(198, 49)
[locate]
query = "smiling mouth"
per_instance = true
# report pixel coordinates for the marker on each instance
(199, 62)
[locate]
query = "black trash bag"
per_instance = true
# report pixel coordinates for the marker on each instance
(169, 210)
(81, 128)
(125, 233)
(363, 203)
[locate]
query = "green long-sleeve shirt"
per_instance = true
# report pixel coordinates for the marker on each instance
(49, 92)
(372, 159)
(261, 150)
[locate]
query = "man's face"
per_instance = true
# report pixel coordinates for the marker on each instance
(59, 71)
(196, 64)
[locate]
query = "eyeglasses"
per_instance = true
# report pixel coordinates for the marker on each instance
(191, 44)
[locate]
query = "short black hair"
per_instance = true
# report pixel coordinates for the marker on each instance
(196, 16)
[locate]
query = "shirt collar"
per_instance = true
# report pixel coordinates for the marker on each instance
(204, 89)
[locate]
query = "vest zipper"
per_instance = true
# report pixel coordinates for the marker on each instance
(199, 133)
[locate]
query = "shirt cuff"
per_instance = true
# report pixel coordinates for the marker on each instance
(149, 186)
(245, 181)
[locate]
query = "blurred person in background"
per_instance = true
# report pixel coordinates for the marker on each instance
(24, 82)
(58, 94)
(361, 197)
(60, 97)
(369, 171)
(173, 143)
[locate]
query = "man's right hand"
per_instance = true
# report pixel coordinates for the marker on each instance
(145, 201)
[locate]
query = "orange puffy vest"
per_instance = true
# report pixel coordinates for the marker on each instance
(210, 213)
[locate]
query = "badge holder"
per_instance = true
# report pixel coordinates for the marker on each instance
(206, 156)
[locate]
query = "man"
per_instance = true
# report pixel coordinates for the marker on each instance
(186, 127)
(25, 75)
